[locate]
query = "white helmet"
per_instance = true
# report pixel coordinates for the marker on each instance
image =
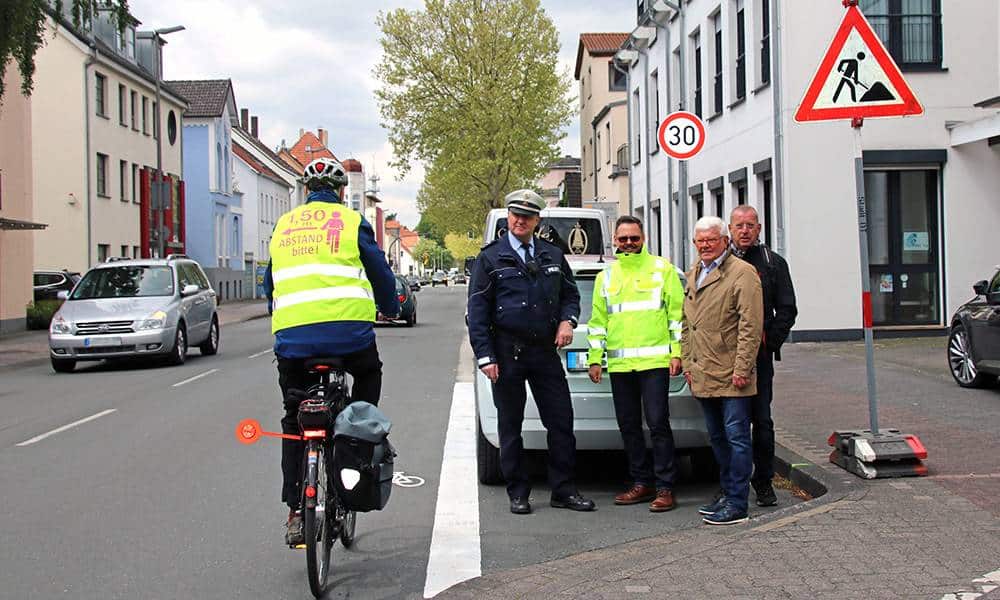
(324, 173)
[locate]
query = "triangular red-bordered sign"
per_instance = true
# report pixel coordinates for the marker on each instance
(817, 108)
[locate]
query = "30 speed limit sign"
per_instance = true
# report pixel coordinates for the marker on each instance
(681, 134)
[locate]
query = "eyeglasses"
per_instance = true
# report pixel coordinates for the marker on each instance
(635, 239)
(707, 241)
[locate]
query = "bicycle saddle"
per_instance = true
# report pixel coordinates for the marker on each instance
(324, 364)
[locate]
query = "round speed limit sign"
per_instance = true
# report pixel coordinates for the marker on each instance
(681, 134)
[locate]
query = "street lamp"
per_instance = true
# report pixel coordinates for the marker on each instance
(160, 201)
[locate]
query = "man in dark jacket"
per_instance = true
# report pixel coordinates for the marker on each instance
(779, 316)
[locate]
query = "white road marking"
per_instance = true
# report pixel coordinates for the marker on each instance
(190, 379)
(268, 351)
(39, 438)
(982, 586)
(455, 554)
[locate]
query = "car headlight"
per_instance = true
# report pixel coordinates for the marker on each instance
(59, 325)
(157, 320)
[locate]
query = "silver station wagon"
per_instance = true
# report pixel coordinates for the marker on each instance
(135, 308)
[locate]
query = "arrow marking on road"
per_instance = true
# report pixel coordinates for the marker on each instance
(262, 353)
(190, 379)
(39, 438)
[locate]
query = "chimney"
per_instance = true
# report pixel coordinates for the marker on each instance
(244, 115)
(302, 132)
(253, 126)
(322, 137)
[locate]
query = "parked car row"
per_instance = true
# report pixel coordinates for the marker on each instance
(974, 337)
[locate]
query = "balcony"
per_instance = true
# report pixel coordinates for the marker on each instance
(620, 166)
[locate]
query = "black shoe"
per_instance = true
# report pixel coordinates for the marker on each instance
(765, 494)
(576, 502)
(718, 501)
(293, 529)
(727, 515)
(520, 506)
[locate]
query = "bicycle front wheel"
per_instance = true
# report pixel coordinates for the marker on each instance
(318, 531)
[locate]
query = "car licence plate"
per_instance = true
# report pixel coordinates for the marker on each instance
(101, 342)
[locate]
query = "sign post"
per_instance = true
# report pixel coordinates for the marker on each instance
(857, 79)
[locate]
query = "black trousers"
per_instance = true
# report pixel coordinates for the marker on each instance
(542, 369)
(646, 392)
(762, 427)
(366, 369)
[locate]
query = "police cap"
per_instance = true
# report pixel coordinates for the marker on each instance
(524, 202)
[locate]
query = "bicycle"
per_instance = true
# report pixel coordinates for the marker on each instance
(324, 516)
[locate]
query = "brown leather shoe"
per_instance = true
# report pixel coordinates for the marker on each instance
(664, 501)
(636, 494)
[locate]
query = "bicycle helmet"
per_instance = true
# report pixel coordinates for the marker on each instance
(324, 173)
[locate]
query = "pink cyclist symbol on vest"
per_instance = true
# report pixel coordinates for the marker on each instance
(333, 228)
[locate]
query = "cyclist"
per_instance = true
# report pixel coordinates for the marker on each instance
(323, 283)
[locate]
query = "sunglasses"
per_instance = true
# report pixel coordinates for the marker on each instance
(635, 239)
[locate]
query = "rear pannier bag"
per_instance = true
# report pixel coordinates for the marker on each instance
(362, 457)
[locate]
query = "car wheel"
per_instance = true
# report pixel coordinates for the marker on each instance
(63, 365)
(211, 345)
(412, 319)
(487, 459)
(960, 360)
(179, 353)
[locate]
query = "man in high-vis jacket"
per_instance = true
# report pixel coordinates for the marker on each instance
(636, 322)
(326, 276)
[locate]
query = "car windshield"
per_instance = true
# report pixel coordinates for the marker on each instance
(573, 235)
(125, 282)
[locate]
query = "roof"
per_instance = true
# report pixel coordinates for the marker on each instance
(259, 145)
(598, 44)
(286, 157)
(206, 97)
(255, 164)
(315, 150)
(566, 162)
(352, 166)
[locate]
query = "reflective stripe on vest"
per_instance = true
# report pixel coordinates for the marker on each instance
(330, 293)
(314, 269)
(639, 352)
(638, 305)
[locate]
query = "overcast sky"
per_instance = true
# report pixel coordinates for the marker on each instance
(309, 65)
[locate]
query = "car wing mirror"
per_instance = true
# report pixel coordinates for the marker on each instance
(980, 287)
(189, 290)
(62, 295)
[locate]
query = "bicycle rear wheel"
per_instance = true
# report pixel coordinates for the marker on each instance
(318, 529)
(348, 521)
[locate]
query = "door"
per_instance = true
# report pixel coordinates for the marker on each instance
(903, 246)
(984, 323)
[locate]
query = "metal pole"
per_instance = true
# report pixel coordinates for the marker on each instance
(683, 167)
(158, 184)
(866, 295)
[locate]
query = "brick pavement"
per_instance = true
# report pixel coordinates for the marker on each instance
(934, 537)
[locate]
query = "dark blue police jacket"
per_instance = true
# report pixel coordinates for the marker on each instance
(526, 303)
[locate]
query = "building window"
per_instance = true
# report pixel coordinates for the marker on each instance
(102, 175)
(136, 253)
(124, 250)
(720, 203)
(741, 51)
(616, 79)
(103, 250)
(696, 42)
(768, 209)
(640, 9)
(156, 121)
(654, 109)
(123, 180)
(135, 109)
(100, 92)
(636, 128)
(717, 52)
(122, 111)
(597, 153)
(135, 183)
(171, 127)
(698, 202)
(765, 42)
(910, 30)
(145, 119)
(741, 193)
(130, 43)
(607, 142)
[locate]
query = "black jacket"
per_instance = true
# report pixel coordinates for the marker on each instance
(524, 302)
(779, 296)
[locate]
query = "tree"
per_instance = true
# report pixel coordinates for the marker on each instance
(22, 27)
(390, 216)
(427, 230)
(461, 245)
(471, 88)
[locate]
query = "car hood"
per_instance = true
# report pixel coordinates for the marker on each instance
(113, 309)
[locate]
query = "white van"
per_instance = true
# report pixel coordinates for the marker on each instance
(577, 231)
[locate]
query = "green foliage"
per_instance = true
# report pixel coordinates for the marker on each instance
(40, 313)
(471, 89)
(431, 254)
(461, 245)
(22, 28)
(428, 230)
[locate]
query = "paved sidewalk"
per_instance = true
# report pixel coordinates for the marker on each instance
(31, 346)
(934, 537)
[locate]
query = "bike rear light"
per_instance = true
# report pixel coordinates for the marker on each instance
(402, 298)
(310, 491)
(314, 433)
(321, 368)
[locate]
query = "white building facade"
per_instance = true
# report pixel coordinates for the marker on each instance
(930, 183)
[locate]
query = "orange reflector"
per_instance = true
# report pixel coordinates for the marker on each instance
(310, 491)
(314, 433)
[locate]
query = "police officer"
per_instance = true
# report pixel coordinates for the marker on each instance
(523, 304)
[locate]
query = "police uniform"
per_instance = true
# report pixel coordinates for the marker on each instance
(515, 307)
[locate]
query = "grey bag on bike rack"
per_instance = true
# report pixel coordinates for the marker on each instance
(362, 457)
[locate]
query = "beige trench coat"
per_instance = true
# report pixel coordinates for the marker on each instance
(723, 321)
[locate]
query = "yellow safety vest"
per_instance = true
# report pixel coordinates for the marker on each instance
(636, 314)
(316, 267)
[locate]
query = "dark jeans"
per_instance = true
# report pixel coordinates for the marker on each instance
(366, 369)
(542, 369)
(728, 422)
(636, 393)
(762, 426)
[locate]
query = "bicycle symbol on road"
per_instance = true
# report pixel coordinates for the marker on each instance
(401, 479)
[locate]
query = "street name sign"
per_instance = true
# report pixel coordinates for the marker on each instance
(681, 135)
(857, 78)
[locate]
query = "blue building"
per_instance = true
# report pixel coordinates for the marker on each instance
(214, 210)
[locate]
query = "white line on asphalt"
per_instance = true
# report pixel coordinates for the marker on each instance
(39, 438)
(268, 351)
(190, 379)
(455, 552)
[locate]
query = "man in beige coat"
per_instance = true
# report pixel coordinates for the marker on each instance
(723, 320)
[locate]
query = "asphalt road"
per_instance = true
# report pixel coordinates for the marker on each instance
(153, 497)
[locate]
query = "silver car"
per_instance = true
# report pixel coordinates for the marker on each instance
(135, 308)
(594, 421)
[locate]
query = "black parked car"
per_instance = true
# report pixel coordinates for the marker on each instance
(48, 284)
(407, 304)
(974, 343)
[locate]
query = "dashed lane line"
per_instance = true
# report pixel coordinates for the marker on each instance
(262, 353)
(196, 377)
(41, 437)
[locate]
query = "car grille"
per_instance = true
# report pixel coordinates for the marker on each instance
(105, 350)
(104, 327)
